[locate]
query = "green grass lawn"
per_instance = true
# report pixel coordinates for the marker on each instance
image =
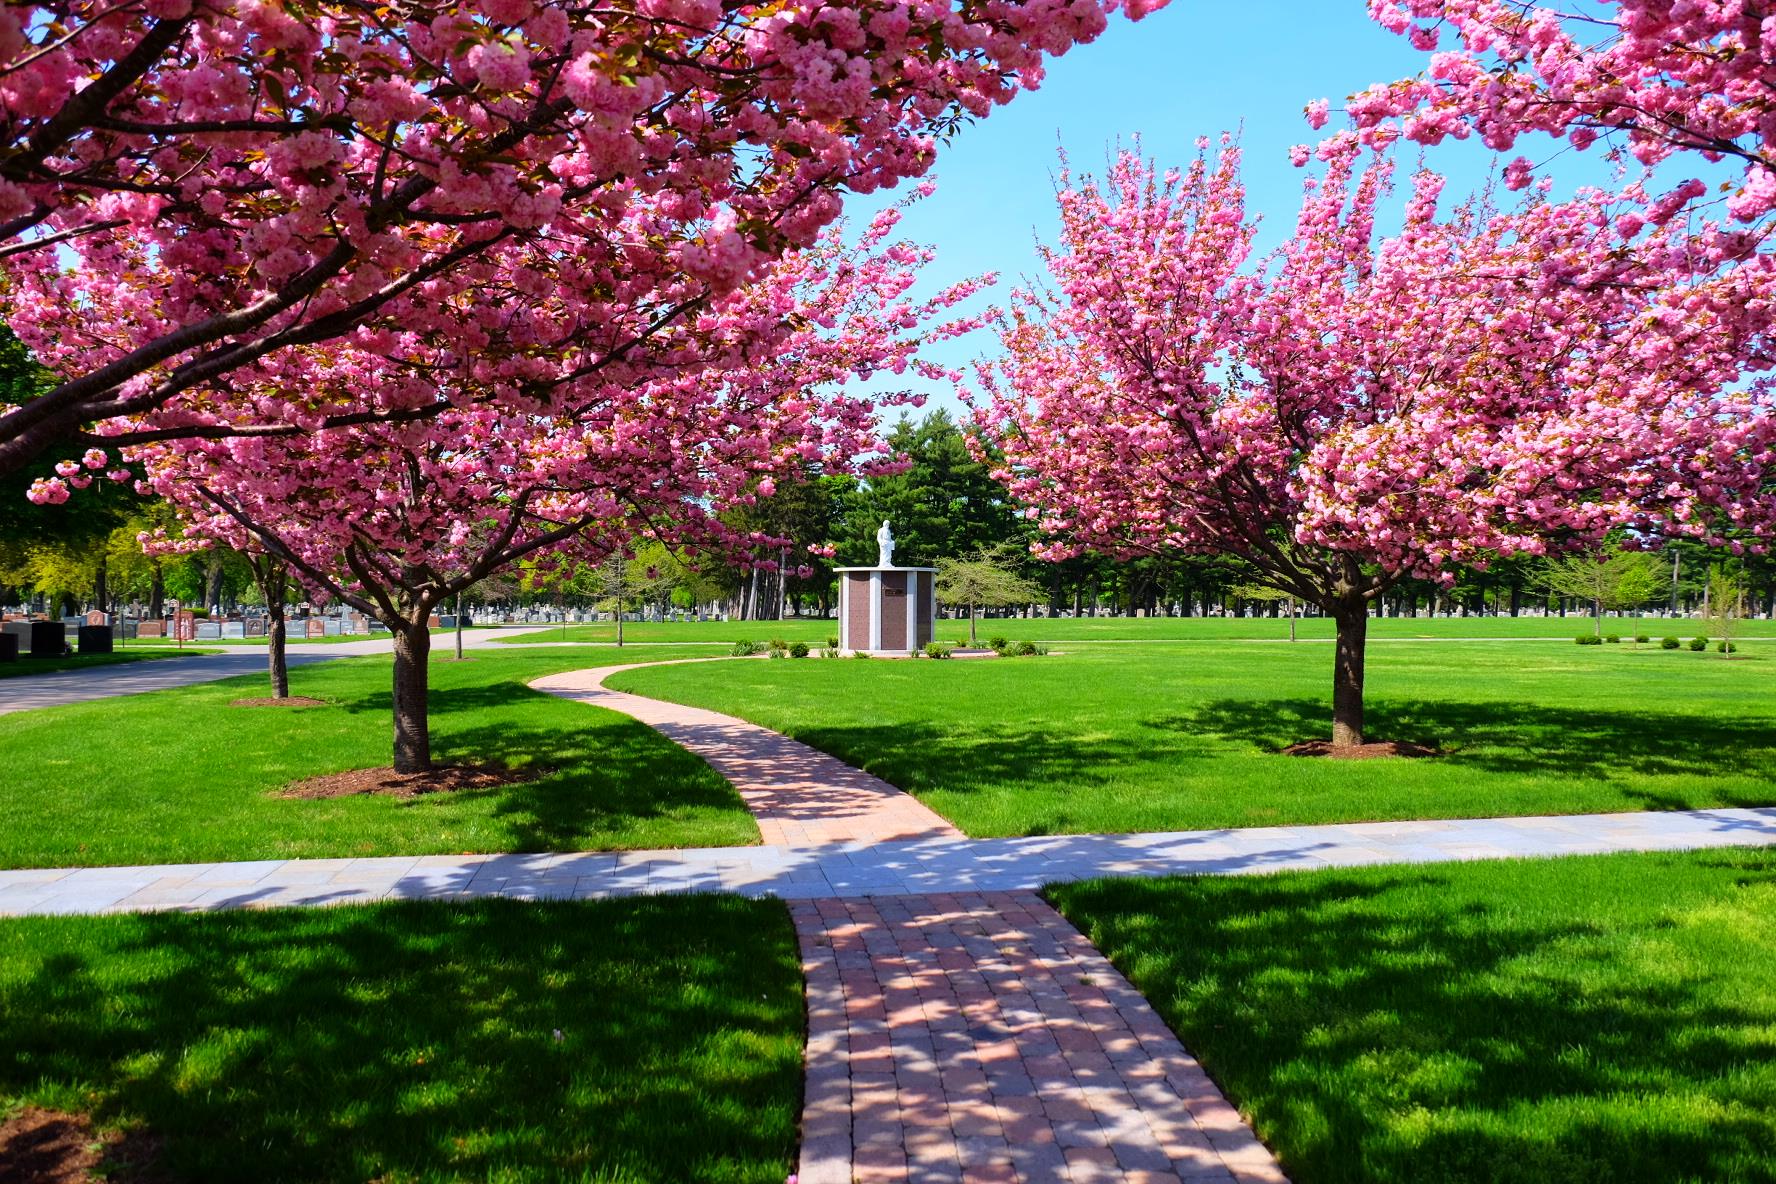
(641, 1040)
(816, 632)
(1590, 1020)
(1131, 738)
(178, 775)
(29, 666)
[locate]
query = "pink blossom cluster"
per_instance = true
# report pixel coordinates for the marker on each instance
(581, 457)
(233, 180)
(1669, 76)
(1358, 408)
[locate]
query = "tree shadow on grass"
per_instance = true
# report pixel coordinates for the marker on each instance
(1384, 1041)
(648, 1040)
(597, 772)
(1514, 738)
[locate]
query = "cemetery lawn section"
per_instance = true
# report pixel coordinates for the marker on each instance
(816, 631)
(1584, 1020)
(654, 1040)
(1118, 738)
(27, 666)
(180, 776)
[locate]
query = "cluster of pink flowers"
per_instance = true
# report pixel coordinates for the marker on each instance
(234, 180)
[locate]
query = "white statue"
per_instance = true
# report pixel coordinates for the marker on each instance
(885, 546)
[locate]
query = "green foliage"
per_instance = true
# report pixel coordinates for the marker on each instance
(832, 641)
(997, 642)
(1669, 643)
(1588, 639)
(1641, 639)
(524, 1042)
(1698, 644)
(798, 649)
(1028, 649)
(1726, 647)
(745, 649)
(936, 649)
(1613, 638)
(1615, 579)
(1378, 1025)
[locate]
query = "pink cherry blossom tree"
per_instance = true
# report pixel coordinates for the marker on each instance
(1358, 409)
(225, 181)
(395, 518)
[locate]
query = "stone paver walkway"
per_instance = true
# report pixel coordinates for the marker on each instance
(864, 869)
(800, 795)
(980, 1038)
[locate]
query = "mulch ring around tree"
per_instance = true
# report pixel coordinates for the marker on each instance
(53, 1147)
(1360, 752)
(385, 781)
(287, 701)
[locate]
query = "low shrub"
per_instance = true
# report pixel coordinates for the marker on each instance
(1669, 643)
(777, 643)
(936, 649)
(832, 643)
(1612, 638)
(997, 643)
(1641, 639)
(798, 649)
(745, 649)
(1028, 649)
(1588, 639)
(1726, 647)
(860, 653)
(1698, 644)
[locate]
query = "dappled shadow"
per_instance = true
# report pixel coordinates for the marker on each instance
(1393, 1041)
(595, 773)
(1518, 738)
(494, 1040)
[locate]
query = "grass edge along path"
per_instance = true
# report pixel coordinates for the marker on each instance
(25, 667)
(179, 776)
(523, 1042)
(1116, 739)
(1580, 1020)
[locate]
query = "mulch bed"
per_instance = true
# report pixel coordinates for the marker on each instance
(444, 779)
(52, 1147)
(1360, 752)
(291, 701)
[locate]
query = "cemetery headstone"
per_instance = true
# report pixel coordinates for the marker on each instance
(49, 639)
(94, 639)
(9, 647)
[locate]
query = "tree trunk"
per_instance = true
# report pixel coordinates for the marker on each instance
(156, 591)
(1347, 674)
(413, 737)
(101, 590)
(273, 583)
(459, 627)
(1596, 617)
(619, 626)
(973, 639)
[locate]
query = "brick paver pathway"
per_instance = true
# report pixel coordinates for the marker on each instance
(801, 797)
(980, 1037)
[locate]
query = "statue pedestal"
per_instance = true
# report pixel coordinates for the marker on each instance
(888, 611)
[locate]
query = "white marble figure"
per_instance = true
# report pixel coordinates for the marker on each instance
(885, 546)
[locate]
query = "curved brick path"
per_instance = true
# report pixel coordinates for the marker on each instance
(800, 796)
(968, 1039)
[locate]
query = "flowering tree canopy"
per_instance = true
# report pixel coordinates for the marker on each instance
(191, 188)
(393, 518)
(1357, 409)
(1668, 77)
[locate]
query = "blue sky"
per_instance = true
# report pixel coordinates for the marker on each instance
(1195, 68)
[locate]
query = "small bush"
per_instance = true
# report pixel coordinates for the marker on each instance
(1588, 639)
(936, 649)
(745, 649)
(1028, 649)
(1612, 638)
(1698, 644)
(860, 653)
(1641, 639)
(779, 653)
(832, 643)
(1669, 643)
(798, 649)
(1726, 647)
(777, 643)
(997, 643)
